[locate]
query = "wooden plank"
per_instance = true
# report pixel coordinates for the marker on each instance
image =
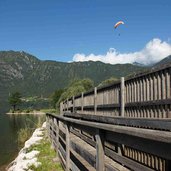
(90, 107)
(83, 137)
(100, 164)
(133, 104)
(154, 142)
(164, 84)
(95, 100)
(161, 136)
(110, 168)
(122, 107)
(63, 152)
(73, 104)
(85, 129)
(87, 154)
(163, 124)
(149, 72)
(67, 148)
(108, 106)
(126, 161)
(149, 146)
(82, 102)
(138, 90)
(62, 160)
(83, 164)
(57, 134)
(168, 86)
(61, 108)
(67, 105)
(155, 86)
(149, 103)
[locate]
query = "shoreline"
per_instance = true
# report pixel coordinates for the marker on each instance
(25, 113)
(24, 159)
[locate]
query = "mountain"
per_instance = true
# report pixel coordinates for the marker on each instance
(164, 61)
(138, 64)
(27, 74)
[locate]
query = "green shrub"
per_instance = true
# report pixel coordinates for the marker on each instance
(75, 88)
(23, 135)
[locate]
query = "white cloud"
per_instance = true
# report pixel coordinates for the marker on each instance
(154, 51)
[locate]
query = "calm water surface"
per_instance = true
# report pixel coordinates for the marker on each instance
(9, 126)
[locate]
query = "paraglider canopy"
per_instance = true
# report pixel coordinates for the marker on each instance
(118, 23)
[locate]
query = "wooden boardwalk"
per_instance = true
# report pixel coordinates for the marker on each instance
(123, 126)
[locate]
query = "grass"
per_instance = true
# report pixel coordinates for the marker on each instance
(46, 156)
(23, 135)
(26, 132)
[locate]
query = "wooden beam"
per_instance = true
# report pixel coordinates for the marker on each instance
(100, 164)
(161, 136)
(67, 147)
(95, 100)
(73, 104)
(153, 123)
(122, 95)
(149, 103)
(82, 102)
(126, 161)
(149, 146)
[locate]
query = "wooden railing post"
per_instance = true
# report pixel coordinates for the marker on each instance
(67, 105)
(52, 133)
(57, 135)
(73, 107)
(122, 94)
(95, 100)
(67, 147)
(82, 102)
(61, 108)
(48, 126)
(100, 163)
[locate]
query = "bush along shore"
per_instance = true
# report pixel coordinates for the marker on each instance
(36, 155)
(35, 112)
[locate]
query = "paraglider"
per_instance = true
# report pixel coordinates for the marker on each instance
(118, 23)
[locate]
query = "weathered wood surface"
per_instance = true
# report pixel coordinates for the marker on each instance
(147, 95)
(135, 148)
(126, 125)
(151, 123)
(161, 136)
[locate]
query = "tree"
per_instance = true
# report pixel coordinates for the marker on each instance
(75, 88)
(15, 99)
(108, 82)
(55, 97)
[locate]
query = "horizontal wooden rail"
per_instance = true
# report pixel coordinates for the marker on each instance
(110, 145)
(148, 123)
(162, 136)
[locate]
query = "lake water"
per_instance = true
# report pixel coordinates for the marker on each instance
(9, 127)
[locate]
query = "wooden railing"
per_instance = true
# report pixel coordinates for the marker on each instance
(147, 95)
(123, 126)
(91, 142)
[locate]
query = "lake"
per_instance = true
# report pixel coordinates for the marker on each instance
(9, 127)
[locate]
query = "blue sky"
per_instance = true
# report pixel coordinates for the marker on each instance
(61, 29)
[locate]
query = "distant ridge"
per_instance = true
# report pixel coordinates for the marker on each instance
(23, 72)
(164, 61)
(138, 64)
